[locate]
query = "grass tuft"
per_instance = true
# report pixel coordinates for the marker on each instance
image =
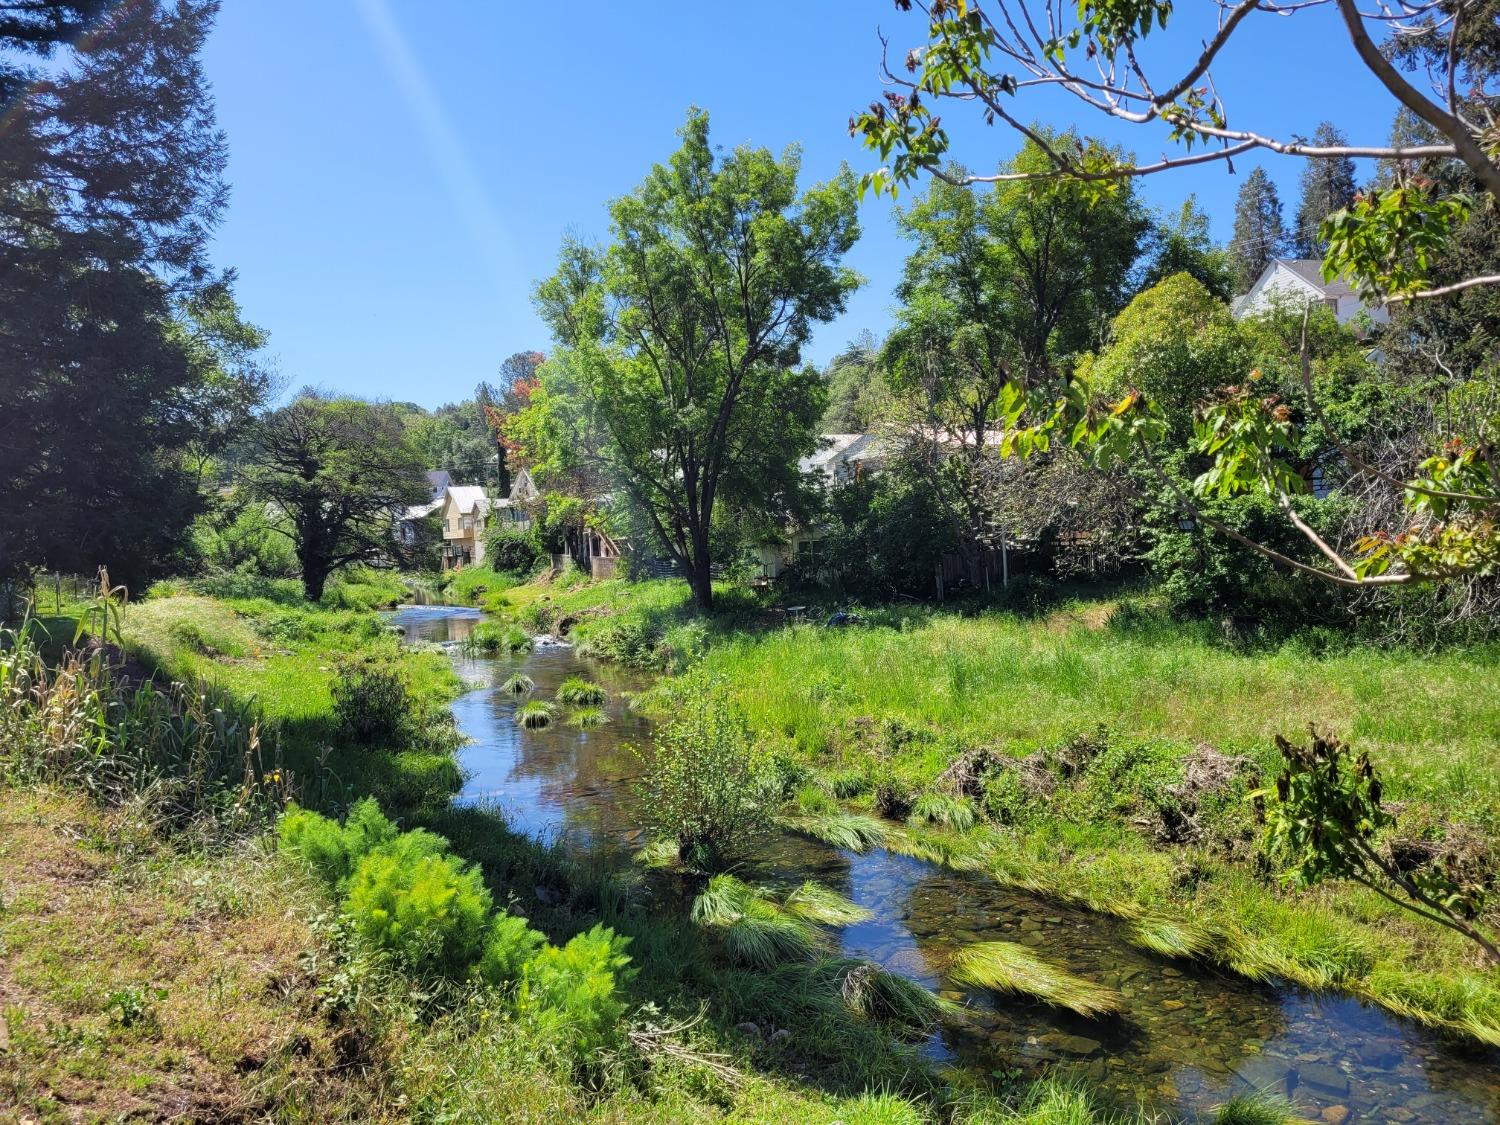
(851, 832)
(755, 930)
(1254, 1109)
(586, 717)
(817, 903)
(576, 690)
(535, 715)
(875, 993)
(519, 684)
(1167, 938)
(942, 809)
(1004, 966)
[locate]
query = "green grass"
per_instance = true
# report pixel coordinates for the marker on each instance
(587, 717)
(1004, 966)
(577, 690)
(476, 585)
(519, 684)
(536, 714)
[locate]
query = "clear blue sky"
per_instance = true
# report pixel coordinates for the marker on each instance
(403, 170)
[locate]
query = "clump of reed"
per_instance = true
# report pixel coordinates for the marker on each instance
(492, 637)
(853, 832)
(576, 690)
(535, 715)
(942, 809)
(888, 998)
(519, 684)
(754, 929)
(1004, 966)
(1167, 938)
(587, 717)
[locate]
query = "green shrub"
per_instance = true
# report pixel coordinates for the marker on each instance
(430, 910)
(372, 704)
(508, 946)
(509, 551)
(704, 786)
(573, 992)
(331, 850)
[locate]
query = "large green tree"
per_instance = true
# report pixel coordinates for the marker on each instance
(123, 361)
(682, 338)
(1181, 243)
(1327, 186)
(1001, 288)
(334, 474)
(1259, 232)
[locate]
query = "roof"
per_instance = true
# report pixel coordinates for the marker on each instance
(468, 498)
(419, 511)
(439, 479)
(1310, 270)
(830, 449)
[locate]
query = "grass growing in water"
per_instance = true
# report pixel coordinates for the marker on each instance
(1004, 966)
(852, 832)
(872, 992)
(490, 636)
(942, 809)
(535, 715)
(586, 717)
(1254, 1109)
(1170, 939)
(577, 690)
(755, 930)
(519, 684)
(817, 903)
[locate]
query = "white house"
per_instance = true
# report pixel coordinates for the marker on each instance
(1298, 282)
(839, 459)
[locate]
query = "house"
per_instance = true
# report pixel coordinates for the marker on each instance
(1299, 282)
(839, 459)
(467, 512)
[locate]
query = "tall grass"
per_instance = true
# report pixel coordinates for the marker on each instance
(1003, 966)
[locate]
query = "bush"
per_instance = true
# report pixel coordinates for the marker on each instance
(372, 704)
(705, 788)
(330, 850)
(574, 991)
(508, 946)
(428, 909)
(509, 551)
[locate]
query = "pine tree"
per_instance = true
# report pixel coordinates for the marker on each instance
(1327, 186)
(121, 351)
(1259, 235)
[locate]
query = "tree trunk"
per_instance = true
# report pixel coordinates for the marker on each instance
(701, 581)
(313, 581)
(503, 467)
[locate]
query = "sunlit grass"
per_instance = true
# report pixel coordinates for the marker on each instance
(1004, 966)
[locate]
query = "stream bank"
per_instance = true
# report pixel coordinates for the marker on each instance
(1188, 1037)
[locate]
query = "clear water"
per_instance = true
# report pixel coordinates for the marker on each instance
(1188, 1037)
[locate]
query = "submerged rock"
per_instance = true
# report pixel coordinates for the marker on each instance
(1323, 1078)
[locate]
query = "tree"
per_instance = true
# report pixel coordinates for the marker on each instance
(855, 386)
(1182, 244)
(1327, 187)
(517, 381)
(1000, 288)
(1259, 234)
(683, 337)
(1386, 244)
(340, 471)
(123, 360)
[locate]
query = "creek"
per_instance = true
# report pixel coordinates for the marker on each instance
(1188, 1038)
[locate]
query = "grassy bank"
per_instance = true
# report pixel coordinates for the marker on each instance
(1103, 753)
(430, 1052)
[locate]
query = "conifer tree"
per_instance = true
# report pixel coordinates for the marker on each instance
(1259, 234)
(1327, 186)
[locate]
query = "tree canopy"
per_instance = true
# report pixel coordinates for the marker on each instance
(681, 339)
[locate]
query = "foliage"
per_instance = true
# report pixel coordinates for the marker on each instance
(518, 684)
(240, 538)
(684, 336)
(371, 703)
(755, 929)
(1004, 966)
(492, 636)
(856, 386)
(126, 364)
(1259, 233)
(1322, 815)
(428, 909)
(576, 989)
(536, 714)
(704, 786)
(1328, 186)
(1183, 244)
(332, 850)
(508, 946)
(338, 468)
(511, 552)
(575, 689)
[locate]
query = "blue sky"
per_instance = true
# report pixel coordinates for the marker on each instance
(404, 171)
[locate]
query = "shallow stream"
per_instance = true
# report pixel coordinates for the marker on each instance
(1188, 1038)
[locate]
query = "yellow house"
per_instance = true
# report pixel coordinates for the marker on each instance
(466, 510)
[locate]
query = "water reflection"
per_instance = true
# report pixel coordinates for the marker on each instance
(1188, 1038)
